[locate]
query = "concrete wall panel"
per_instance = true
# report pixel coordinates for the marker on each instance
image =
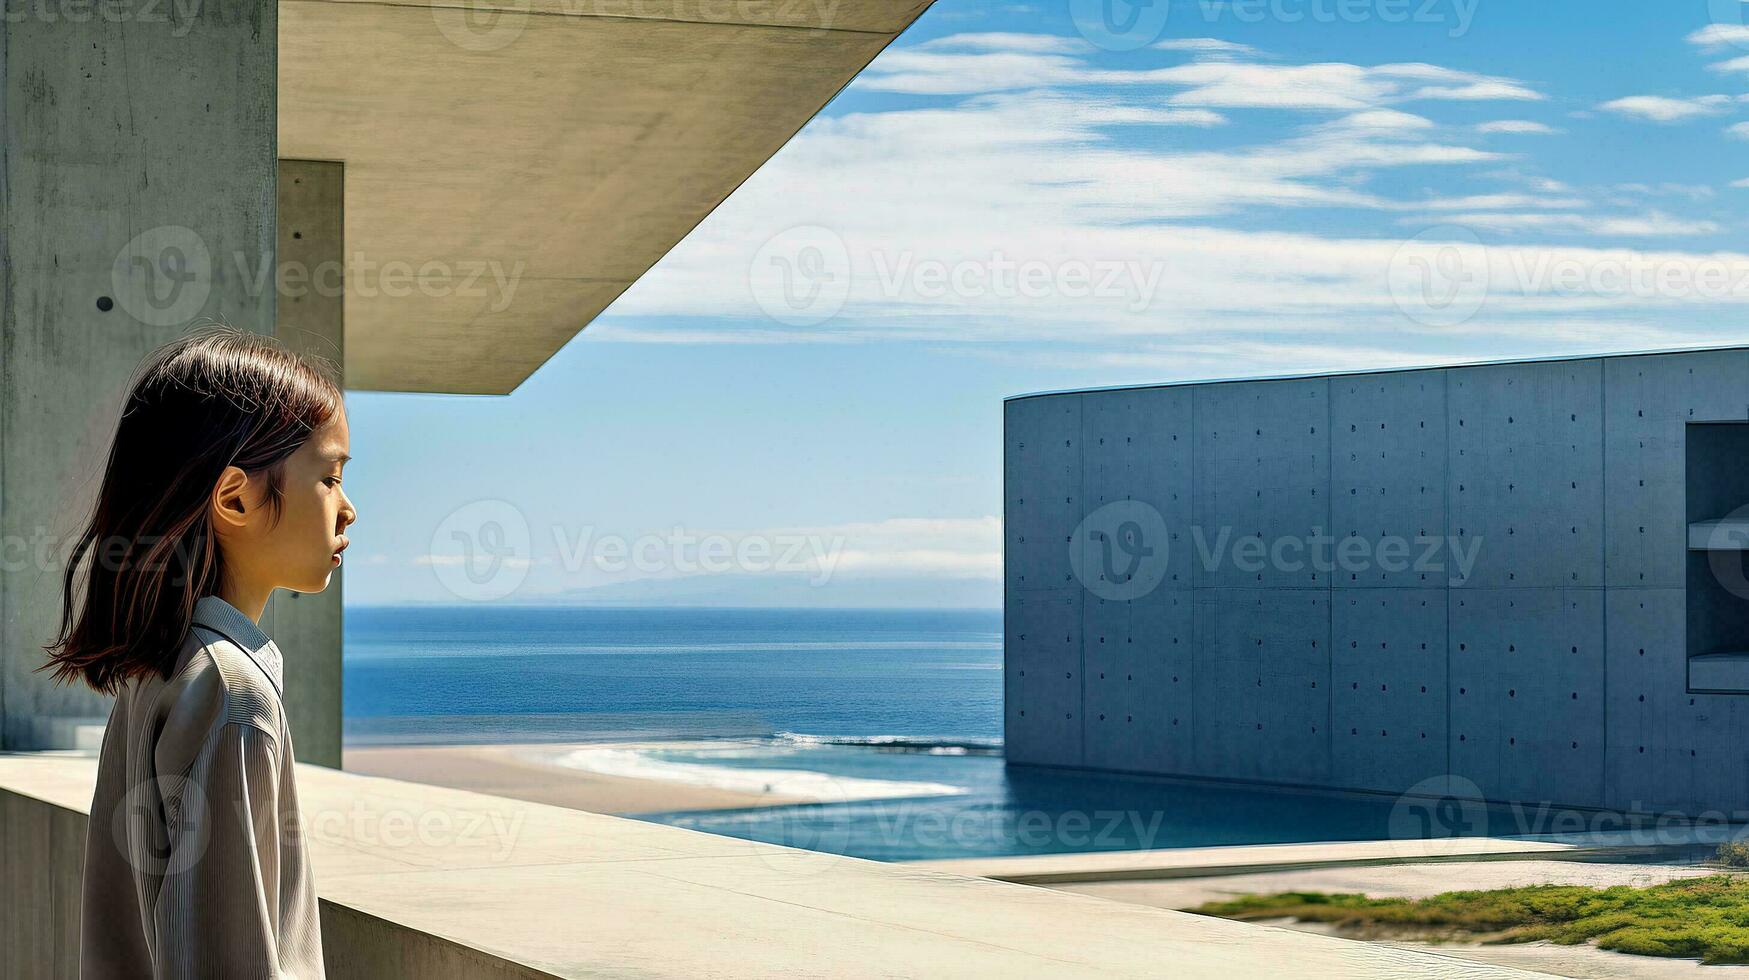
(1388, 680)
(1137, 447)
(1648, 765)
(1387, 460)
(1527, 704)
(138, 177)
(1262, 696)
(1108, 724)
(1139, 681)
(1525, 472)
(1649, 400)
(1164, 627)
(1669, 749)
(1042, 677)
(1042, 491)
(1263, 477)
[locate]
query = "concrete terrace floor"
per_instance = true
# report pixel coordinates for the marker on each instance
(568, 893)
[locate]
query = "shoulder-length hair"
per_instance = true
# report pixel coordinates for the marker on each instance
(213, 398)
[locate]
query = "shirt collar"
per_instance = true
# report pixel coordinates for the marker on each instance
(217, 614)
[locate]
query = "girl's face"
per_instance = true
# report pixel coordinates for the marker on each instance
(302, 550)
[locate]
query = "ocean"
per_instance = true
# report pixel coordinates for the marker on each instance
(893, 717)
(504, 673)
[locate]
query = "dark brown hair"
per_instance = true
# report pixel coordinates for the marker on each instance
(213, 398)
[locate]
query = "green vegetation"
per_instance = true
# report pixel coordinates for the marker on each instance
(1706, 917)
(1734, 854)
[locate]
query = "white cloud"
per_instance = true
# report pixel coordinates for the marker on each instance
(1657, 108)
(1381, 121)
(1326, 86)
(1631, 226)
(610, 332)
(1653, 223)
(1738, 131)
(1235, 85)
(1741, 183)
(1720, 35)
(1482, 91)
(996, 180)
(1523, 127)
(919, 71)
(941, 547)
(1734, 64)
(1207, 46)
(1491, 201)
(1004, 41)
(1101, 113)
(968, 64)
(1694, 192)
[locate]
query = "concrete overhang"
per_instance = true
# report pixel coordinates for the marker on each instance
(562, 145)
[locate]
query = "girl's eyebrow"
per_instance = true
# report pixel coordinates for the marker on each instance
(341, 458)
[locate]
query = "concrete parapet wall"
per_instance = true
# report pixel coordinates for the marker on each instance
(422, 881)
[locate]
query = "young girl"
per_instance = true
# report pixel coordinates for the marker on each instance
(223, 484)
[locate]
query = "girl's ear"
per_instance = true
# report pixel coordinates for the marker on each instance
(228, 498)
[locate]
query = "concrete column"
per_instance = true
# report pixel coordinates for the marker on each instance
(312, 259)
(137, 190)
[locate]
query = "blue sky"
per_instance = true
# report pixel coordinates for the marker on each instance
(1014, 198)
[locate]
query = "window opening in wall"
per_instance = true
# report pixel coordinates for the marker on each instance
(1717, 468)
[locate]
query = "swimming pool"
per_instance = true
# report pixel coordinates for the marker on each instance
(997, 810)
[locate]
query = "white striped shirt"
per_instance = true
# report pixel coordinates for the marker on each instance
(195, 864)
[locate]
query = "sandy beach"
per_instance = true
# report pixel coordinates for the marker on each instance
(529, 771)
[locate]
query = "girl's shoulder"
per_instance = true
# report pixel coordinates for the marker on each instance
(215, 683)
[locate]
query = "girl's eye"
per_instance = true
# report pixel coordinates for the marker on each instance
(332, 481)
